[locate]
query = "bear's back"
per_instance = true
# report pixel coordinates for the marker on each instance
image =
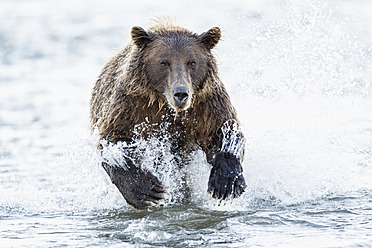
(107, 84)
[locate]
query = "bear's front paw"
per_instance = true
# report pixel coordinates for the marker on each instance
(143, 189)
(140, 188)
(226, 179)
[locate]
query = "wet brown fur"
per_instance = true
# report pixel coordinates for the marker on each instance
(122, 99)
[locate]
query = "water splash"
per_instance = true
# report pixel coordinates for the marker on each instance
(301, 83)
(301, 48)
(232, 141)
(153, 154)
(303, 93)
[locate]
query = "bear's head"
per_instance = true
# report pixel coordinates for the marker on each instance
(176, 62)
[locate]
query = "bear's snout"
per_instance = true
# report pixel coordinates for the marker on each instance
(180, 96)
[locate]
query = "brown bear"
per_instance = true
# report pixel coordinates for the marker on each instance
(168, 74)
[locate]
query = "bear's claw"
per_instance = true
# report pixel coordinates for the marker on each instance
(226, 178)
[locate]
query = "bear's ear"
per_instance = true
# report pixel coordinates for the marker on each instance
(140, 37)
(211, 37)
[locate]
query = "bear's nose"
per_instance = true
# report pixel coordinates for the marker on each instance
(180, 95)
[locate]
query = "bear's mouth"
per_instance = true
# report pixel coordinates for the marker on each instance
(179, 108)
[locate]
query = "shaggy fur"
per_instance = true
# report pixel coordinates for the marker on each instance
(132, 90)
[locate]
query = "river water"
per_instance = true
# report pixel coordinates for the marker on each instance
(298, 72)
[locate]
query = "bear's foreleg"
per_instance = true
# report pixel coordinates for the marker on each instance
(226, 179)
(140, 188)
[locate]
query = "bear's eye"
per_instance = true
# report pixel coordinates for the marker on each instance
(192, 64)
(164, 64)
